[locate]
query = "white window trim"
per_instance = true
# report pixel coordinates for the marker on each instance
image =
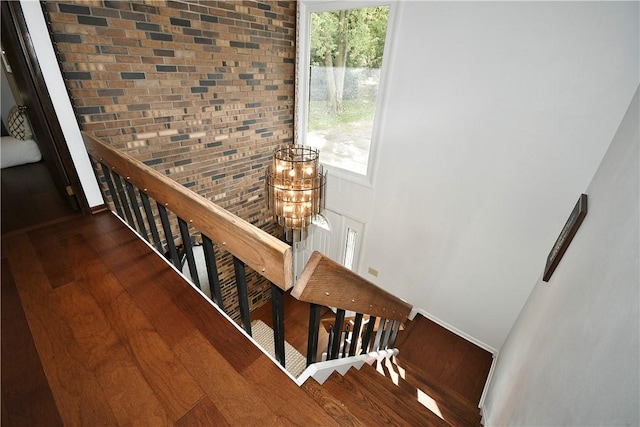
(305, 8)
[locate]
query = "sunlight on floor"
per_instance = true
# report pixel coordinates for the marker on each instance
(422, 397)
(391, 368)
(429, 403)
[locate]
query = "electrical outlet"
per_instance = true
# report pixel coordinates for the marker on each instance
(373, 272)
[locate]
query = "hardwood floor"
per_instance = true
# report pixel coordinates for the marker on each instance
(30, 199)
(118, 338)
(427, 350)
(97, 330)
(444, 358)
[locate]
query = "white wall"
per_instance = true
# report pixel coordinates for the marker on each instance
(573, 356)
(55, 84)
(497, 116)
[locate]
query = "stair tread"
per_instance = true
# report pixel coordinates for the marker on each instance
(454, 407)
(386, 391)
(445, 357)
(342, 392)
(367, 397)
(330, 403)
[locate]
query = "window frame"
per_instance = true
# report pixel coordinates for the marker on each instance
(303, 42)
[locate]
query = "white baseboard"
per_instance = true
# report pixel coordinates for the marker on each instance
(453, 329)
(469, 338)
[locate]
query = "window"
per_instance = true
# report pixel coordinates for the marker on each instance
(341, 59)
(350, 248)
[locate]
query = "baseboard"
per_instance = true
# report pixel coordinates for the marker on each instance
(453, 329)
(484, 417)
(486, 386)
(99, 208)
(471, 339)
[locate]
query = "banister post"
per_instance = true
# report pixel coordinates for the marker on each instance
(277, 309)
(314, 326)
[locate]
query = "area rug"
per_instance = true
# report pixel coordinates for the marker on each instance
(294, 361)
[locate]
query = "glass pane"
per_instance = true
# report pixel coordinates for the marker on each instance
(350, 249)
(346, 57)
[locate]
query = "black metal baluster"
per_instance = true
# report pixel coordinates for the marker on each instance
(394, 333)
(355, 335)
(312, 341)
(344, 341)
(335, 346)
(367, 334)
(243, 294)
(330, 342)
(277, 308)
(188, 250)
(212, 271)
(112, 189)
(387, 332)
(376, 343)
(166, 226)
(151, 220)
(123, 199)
(136, 210)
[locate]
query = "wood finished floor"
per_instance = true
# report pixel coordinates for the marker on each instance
(118, 339)
(29, 198)
(58, 326)
(427, 349)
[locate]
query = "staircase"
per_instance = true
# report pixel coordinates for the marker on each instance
(364, 396)
(392, 392)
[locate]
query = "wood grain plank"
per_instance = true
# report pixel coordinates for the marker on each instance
(57, 268)
(172, 384)
(172, 291)
(341, 390)
(26, 395)
(454, 408)
(331, 404)
(30, 199)
(445, 358)
(266, 377)
(125, 388)
(326, 282)
(234, 397)
(396, 402)
(204, 413)
(76, 390)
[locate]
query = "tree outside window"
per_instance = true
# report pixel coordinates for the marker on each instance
(346, 51)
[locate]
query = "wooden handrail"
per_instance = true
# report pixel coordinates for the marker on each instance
(325, 282)
(261, 251)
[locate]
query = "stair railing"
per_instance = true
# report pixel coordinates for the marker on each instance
(324, 282)
(132, 185)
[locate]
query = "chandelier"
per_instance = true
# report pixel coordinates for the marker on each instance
(295, 189)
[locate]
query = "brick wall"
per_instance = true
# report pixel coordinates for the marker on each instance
(201, 91)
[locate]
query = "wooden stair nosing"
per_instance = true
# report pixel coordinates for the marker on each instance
(330, 403)
(465, 413)
(357, 400)
(402, 401)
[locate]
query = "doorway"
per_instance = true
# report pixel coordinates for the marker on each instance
(56, 174)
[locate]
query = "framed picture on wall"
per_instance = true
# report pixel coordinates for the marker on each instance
(566, 235)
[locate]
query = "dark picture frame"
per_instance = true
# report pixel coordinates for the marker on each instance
(566, 235)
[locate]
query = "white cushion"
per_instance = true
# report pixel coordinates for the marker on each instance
(14, 151)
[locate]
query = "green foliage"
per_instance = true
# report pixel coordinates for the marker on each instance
(366, 30)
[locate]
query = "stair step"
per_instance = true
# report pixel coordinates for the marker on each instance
(454, 408)
(350, 397)
(403, 402)
(376, 401)
(331, 404)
